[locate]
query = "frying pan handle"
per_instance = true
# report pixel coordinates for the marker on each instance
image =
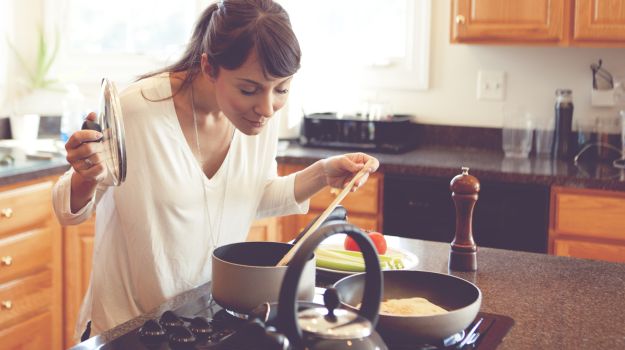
(287, 316)
(91, 125)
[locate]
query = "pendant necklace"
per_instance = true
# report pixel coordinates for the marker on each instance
(214, 239)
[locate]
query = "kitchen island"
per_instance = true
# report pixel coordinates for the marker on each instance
(556, 302)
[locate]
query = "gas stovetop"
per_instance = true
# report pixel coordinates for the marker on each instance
(203, 324)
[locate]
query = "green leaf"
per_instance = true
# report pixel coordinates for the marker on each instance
(44, 60)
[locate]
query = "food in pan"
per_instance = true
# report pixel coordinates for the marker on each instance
(409, 307)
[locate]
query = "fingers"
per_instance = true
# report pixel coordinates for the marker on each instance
(83, 151)
(91, 116)
(82, 136)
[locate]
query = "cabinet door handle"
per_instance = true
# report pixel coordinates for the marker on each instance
(460, 19)
(6, 213)
(6, 260)
(7, 304)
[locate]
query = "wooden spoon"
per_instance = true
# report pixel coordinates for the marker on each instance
(289, 255)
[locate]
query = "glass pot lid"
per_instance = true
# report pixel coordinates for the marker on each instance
(109, 122)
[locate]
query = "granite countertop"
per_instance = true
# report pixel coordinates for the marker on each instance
(556, 302)
(485, 164)
(436, 161)
(22, 167)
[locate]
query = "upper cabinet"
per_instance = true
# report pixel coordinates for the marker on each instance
(599, 21)
(539, 22)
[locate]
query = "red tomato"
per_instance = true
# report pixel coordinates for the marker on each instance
(376, 237)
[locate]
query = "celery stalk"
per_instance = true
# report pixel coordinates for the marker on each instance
(345, 260)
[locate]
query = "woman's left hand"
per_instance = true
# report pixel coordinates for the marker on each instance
(339, 170)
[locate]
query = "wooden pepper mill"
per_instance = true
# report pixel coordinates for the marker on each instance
(464, 189)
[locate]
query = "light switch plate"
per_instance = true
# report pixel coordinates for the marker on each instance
(491, 85)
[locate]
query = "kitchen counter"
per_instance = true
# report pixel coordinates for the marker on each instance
(425, 161)
(485, 164)
(29, 165)
(24, 170)
(556, 302)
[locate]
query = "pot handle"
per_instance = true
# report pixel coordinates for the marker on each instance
(287, 316)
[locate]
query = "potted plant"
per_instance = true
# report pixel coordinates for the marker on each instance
(39, 93)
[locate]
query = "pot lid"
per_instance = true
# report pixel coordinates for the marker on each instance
(109, 122)
(333, 324)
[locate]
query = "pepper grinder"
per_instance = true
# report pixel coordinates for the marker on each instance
(463, 253)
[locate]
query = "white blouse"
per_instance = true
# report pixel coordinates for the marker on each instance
(153, 238)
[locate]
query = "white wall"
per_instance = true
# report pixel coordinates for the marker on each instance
(533, 74)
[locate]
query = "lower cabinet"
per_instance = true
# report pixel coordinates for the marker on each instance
(363, 206)
(587, 224)
(267, 229)
(78, 256)
(31, 314)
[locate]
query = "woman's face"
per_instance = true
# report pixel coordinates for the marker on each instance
(247, 97)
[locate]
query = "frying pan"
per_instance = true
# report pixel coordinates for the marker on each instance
(462, 300)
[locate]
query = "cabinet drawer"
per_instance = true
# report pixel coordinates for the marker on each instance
(590, 214)
(25, 252)
(33, 334)
(23, 298)
(365, 200)
(589, 250)
(25, 207)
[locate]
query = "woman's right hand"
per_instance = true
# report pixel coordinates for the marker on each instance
(85, 155)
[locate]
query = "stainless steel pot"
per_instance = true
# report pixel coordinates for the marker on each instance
(245, 275)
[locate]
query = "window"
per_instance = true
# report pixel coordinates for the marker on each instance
(119, 38)
(355, 49)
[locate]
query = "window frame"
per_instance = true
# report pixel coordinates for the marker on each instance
(409, 74)
(84, 68)
(412, 73)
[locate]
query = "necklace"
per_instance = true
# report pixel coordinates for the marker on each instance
(214, 239)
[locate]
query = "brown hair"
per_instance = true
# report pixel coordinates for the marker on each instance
(228, 30)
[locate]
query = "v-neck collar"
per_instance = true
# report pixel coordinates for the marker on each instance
(189, 152)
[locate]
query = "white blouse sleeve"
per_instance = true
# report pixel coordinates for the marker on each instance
(279, 196)
(61, 195)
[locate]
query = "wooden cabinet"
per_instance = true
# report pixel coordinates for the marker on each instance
(539, 22)
(30, 268)
(491, 21)
(78, 257)
(363, 206)
(587, 224)
(267, 229)
(599, 20)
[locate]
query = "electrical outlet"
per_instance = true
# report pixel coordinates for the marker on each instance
(491, 85)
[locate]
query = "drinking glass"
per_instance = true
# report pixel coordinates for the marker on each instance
(517, 131)
(544, 136)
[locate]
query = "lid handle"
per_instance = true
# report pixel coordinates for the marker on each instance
(331, 301)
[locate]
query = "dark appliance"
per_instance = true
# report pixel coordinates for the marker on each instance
(507, 215)
(394, 134)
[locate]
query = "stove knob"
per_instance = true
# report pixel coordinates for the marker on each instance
(181, 337)
(151, 332)
(200, 327)
(169, 320)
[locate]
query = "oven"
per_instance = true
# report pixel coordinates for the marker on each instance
(511, 216)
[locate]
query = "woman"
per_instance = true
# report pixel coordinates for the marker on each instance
(201, 146)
